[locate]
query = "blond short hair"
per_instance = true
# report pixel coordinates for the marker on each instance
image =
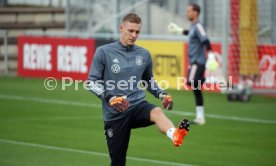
(132, 18)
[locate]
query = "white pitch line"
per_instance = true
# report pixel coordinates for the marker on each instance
(49, 101)
(234, 118)
(88, 152)
(176, 112)
(51, 118)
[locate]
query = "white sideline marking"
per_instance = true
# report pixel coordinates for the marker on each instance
(176, 112)
(88, 152)
(51, 118)
(234, 118)
(50, 101)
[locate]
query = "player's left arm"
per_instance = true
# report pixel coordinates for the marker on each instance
(153, 87)
(211, 62)
(203, 37)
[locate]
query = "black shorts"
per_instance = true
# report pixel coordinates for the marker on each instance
(196, 75)
(117, 132)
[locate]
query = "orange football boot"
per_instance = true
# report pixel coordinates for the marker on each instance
(181, 132)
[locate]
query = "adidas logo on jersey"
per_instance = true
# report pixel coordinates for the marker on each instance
(115, 60)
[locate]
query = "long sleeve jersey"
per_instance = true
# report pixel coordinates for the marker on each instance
(198, 40)
(120, 70)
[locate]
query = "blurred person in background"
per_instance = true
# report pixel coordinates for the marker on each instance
(197, 44)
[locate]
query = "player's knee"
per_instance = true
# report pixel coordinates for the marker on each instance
(156, 113)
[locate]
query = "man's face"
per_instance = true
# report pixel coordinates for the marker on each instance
(191, 14)
(129, 32)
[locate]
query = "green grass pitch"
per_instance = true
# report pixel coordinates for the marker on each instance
(65, 128)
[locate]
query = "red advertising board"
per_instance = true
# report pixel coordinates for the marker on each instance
(55, 57)
(267, 65)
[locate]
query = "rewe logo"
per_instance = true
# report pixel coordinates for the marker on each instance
(72, 59)
(37, 57)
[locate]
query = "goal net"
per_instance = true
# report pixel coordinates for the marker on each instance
(252, 50)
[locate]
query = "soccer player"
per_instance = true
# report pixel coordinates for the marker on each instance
(197, 44)
(124, 108)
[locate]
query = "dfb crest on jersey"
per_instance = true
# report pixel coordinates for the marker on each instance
(115, 68)
(109, 133)
(139, 60)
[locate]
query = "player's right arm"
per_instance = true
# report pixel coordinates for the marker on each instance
(95, 78)
(174, 28)
(96, 83)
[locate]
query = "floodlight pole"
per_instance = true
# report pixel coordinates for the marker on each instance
(225, 31)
